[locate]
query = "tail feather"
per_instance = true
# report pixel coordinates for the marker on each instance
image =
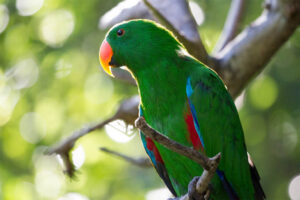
(227, 186)
(259, 192)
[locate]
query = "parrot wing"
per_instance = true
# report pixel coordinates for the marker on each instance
(219, 129)
(156, 159)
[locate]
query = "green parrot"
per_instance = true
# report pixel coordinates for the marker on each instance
(188, 102)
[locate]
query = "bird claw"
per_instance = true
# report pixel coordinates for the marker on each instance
(194, 194)
(192, 191)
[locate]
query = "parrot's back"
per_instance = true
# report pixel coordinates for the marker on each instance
(193, 107)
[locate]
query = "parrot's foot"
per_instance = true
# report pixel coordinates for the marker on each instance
(194, 194)
(207, 193)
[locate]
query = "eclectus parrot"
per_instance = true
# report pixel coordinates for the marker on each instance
(188, 102)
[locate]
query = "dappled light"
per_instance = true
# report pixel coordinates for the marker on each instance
(48, 178)
(78, 156)
(197, 12)
(52, 85)
(119, 131)
(8, 100)
(32, 127)
(98, 89)
(73, 196)
(158, 194)
(4, 17)
(294, 186)
(48, 184)
(52, 113)
(56, 27)
(28, 7)
(263, 92)
(22, 75)
(63, 68)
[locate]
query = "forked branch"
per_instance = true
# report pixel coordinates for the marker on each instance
(193, 44)
(127, 112)
(141, 162)
(232, 24)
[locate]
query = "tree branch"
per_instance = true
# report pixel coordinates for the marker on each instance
(125, 10)
(240, 59)
(252, 49)
(141, 162)
(200, 184)
(64, 147)
(232, 24)
(123, 75)
(127, 111)
(191, 153)
(193, 44)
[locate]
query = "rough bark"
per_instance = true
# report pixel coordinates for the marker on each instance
(236, 59)
(245, 56)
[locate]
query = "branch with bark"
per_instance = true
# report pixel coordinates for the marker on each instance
(141, 162)
(127, 111)
(199, 185)
(237, 58)
(249, 52)
(232, 24)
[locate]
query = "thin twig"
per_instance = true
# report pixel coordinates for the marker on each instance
(67, 144)
(127, 112)
(141, 162)
(64, 147)
(196, 48)
(232, 24)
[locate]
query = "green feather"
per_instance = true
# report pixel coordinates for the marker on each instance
(161, 66)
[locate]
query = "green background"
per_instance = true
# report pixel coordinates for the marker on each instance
(51, 84)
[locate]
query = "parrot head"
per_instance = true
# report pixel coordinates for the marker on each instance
(136, 44)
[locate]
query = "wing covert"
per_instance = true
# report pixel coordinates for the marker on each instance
(156, 159)
(219, 127)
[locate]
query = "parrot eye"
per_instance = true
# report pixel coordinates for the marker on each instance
(120, 32)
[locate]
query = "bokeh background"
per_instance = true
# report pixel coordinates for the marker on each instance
(51, 84)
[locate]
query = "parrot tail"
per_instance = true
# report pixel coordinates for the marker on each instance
(259, 192)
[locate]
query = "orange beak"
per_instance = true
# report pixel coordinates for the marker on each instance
(105, 55)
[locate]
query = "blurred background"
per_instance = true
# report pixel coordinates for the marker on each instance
(51, 84)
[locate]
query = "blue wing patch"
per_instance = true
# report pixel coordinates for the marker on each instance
(158, 165)
(189, 92)
(226, 184)
(189, 89)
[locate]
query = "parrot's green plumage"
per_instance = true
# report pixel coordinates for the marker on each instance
(188, 102)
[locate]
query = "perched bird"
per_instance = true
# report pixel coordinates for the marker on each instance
(188, 102)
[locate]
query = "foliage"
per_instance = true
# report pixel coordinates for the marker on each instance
(50, 85)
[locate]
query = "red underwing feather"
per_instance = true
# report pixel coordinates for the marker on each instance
(193, 135)
(151, 146)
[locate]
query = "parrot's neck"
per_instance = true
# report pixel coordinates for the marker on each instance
(162, 87)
